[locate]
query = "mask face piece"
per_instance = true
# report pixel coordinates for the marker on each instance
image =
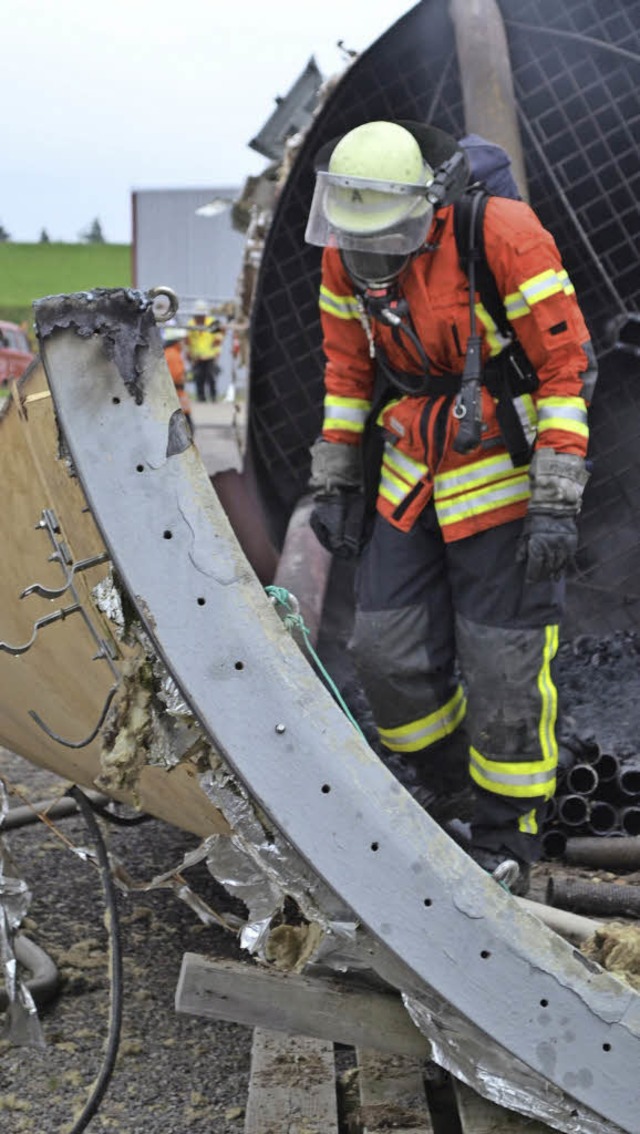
(373, 269)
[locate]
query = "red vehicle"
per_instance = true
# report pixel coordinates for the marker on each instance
(15, 354)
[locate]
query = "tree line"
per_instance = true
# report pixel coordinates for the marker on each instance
(92, 234)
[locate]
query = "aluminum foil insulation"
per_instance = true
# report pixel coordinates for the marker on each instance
(21, 1025)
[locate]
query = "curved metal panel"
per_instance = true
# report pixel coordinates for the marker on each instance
(457, 939)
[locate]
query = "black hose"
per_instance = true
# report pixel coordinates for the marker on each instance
(115, 1016)
(119, 820)
(26, 815)
(602, 899)
(61, 808)
(618, 853)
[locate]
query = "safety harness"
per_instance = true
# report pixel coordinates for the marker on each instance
(507, 376)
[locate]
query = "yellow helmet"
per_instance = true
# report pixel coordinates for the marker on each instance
(373, 197)
(388, 158)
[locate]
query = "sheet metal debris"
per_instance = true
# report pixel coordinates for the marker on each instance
(21, 1025)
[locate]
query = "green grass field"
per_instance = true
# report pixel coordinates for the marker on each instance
(31, 271)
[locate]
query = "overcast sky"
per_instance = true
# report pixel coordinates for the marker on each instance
(99, 98)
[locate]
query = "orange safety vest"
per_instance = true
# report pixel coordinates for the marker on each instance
(177, 370)
(479, 489)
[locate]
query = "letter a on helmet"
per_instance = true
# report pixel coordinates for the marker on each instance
(372, 194)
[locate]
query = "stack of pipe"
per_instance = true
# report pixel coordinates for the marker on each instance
(598, 794)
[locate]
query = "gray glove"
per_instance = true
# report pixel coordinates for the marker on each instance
(550, 537)
(335, 466)
(338, 516)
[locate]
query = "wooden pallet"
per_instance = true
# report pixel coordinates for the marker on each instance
(295, 1087)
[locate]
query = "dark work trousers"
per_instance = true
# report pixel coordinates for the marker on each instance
(205, 372)
(450, 641)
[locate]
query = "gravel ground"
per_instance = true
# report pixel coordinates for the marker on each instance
(174, 1073)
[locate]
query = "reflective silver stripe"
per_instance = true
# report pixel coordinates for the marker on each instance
(427, 730)
(574, 410)
(474, 503)
(567, 286)
(393, 489)
(541, 287)
(342, 306)
(495, 773)
(526, 411)
(399, 474)
(349, 409)
(516, 306)
(403, 464)
(345, 413)
(528, 823)
(497, 342)
(549, 698)
(569, 414)
(480, 472)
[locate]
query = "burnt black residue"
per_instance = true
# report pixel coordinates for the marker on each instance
(122, 317)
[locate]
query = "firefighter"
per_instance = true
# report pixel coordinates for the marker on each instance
(173, 342)
(205, 336)
(462, 557)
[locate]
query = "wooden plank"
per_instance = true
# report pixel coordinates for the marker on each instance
(392, 1094)
(480, 1116)
(292, 1088)
(327, 1008)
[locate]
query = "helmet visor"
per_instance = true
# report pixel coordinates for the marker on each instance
(357, 214)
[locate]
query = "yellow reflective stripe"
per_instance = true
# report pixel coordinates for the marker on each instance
(345, 413)
(386, 408)
(496, 341)
(567, 286)
(528, 823)
(334, 421)
(530, 778)
(549, 697)
(515, 306)
(526, 411)
(478, 473)
(337, 401)
(427, 730)
(520, 781)
(399, 474)
(569, 414)
(479, 501)
(342, 306)
(541, 286)
(392, 488)
(402, 464)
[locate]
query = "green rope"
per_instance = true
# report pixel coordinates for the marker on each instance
(293, 620)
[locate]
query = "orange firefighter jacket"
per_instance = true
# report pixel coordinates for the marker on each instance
(479, 489)
(177, 370)
(204, 340)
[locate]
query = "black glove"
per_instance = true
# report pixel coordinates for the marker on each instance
(548, 545)
(338, 521)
